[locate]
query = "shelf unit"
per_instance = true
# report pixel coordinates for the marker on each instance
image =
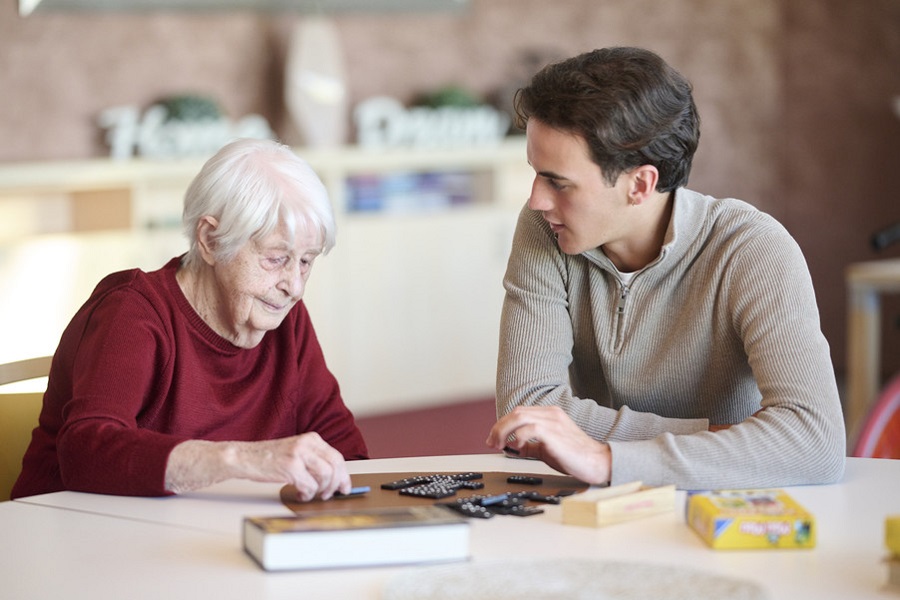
(406, 306)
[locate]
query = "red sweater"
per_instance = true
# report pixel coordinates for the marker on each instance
(138, 372)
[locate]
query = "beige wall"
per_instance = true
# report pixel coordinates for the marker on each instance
(795, 95)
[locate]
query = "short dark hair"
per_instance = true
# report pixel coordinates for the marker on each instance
(628, 104)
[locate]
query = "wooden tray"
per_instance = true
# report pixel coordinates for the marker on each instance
(494, 483)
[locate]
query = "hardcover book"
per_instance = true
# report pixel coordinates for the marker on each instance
(730, 519)
(357, 538)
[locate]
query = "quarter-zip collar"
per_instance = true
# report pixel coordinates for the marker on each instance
(690, 211)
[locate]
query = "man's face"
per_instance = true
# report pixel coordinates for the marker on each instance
(581, 208)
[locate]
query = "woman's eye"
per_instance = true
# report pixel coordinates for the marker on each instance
(287, 261)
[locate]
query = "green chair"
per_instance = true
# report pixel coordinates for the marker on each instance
(18, 417)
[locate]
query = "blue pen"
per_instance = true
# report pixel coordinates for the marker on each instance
(356, 491)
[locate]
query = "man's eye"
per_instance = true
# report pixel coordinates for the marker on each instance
(555, 184)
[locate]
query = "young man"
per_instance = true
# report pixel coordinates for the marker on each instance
(650, 332)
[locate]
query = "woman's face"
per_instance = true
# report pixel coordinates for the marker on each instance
(255, 290)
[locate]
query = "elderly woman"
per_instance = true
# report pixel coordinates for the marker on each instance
(209, 368)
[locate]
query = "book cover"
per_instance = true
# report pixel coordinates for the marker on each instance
(605, 506)
(744, 519)
(356, 538)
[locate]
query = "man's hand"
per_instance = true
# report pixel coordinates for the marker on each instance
(547, 433)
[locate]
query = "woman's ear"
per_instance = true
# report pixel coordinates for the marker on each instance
(206, 241)
(642, 183)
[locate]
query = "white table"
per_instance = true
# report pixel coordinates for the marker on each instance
(93, 546)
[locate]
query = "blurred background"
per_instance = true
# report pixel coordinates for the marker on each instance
(796, 100)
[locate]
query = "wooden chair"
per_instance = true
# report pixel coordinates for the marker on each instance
(880, 435)
(18, 417)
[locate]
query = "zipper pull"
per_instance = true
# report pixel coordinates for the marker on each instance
(620, 307)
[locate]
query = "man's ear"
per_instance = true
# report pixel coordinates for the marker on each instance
(642, 183)
(206, 243)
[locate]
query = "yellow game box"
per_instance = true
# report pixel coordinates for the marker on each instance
(892, 535)
(747, 519)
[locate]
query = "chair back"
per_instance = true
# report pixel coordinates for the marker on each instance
(19, 413)
(880, 435)
(23, 370)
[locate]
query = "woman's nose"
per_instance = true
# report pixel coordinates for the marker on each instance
(294, 279)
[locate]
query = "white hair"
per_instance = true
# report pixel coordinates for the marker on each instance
(251, 186)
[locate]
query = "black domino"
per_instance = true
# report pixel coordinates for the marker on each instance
(524, 479)
(516, 507)
(521, 510)
(423, 479)
(469, 509)
(404, 483)
(429, 490)
(538, 497)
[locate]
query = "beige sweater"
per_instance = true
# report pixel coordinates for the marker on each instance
(722, 323)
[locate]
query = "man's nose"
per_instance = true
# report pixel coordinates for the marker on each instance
(539, 199)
